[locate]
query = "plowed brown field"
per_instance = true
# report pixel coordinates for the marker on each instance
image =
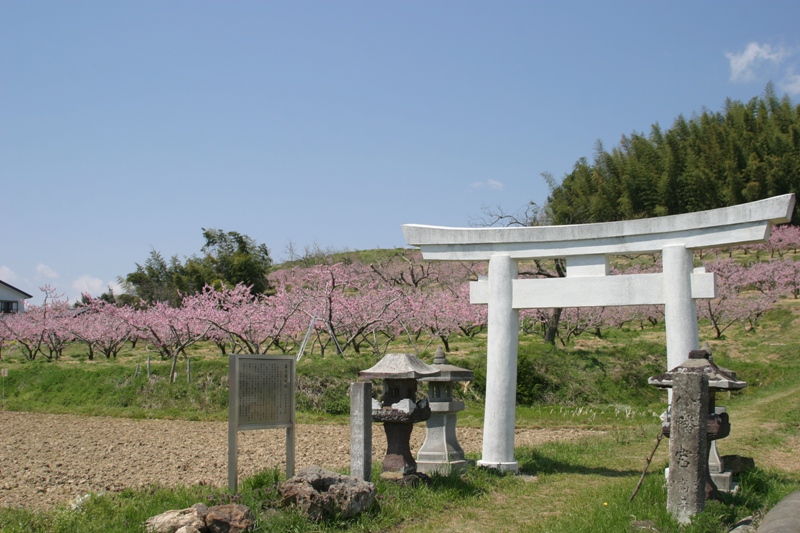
(47, 460)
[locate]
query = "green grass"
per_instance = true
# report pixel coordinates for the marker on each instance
(609, 377)
(127, 511)
(115, 389)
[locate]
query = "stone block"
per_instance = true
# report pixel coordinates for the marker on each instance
(688, 456)
(322, 494)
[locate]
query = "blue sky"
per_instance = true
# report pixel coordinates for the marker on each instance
(129, 126)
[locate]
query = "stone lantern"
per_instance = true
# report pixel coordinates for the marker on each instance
(718, 425)
(399, 409)
(441, 452)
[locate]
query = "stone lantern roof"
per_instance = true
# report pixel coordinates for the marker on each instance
(448, 372)
(399, 366)
(700, 362)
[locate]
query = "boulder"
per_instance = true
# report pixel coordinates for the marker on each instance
(322, 494)
(189, 529)
(190, 520)
(230, 518)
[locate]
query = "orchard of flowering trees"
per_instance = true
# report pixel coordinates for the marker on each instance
(368, 306)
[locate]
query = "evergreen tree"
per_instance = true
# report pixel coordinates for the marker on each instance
(229, 258)
(746, 152)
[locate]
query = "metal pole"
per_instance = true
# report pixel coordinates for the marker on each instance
(305, 339)
(233, 423)
(290, 452)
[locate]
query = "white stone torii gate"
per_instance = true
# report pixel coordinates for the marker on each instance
(586, 248)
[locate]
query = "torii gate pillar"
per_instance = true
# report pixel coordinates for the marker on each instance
(680, 309)
(501, 366)
(586, 248)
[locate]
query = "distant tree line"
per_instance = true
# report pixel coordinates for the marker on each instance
(746, 152)
(227, 259)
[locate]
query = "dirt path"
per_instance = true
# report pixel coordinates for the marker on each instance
(46, 460)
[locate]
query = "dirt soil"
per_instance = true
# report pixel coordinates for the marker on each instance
(47, 460)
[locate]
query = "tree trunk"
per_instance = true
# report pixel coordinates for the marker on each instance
(172, 368)
(551, 333)
(446, 343)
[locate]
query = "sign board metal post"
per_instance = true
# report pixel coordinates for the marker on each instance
(261, 396)
(4, 374)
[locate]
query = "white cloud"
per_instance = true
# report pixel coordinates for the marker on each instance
(46, 272)
(754, 60)
(94, 286)
(790, 84)
(7, 275)
(488, 184)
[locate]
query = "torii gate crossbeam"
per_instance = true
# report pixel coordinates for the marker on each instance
(586, 248)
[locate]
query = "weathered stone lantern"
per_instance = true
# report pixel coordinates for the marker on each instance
(399, 409)
(717, 424)
(441, 452)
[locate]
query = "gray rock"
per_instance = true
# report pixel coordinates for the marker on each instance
(322, 494)
(784, 517)
(230, 518)
(744, 525)
(405, 405)
(644, 525)
(190, 520)
(189, 529)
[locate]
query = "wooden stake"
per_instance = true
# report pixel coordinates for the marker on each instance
(646, 466)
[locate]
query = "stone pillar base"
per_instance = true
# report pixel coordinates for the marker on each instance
(458, 466)
(511, 466)
(723, 481)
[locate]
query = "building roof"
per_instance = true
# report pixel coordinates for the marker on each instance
(23, 294)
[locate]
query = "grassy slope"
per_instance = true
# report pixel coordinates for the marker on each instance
(585, 486)
(579, 486)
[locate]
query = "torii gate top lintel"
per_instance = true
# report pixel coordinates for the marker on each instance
(727, 226)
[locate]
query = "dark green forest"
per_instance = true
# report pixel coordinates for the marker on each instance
(228, 258)
(746, 152)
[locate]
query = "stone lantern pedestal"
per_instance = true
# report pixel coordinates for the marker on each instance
(694, 384)
(441, 453)
(399, 409)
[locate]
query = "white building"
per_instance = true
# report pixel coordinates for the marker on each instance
(12, 300)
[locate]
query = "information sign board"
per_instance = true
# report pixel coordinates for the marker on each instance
(261, 396)
(265, 395)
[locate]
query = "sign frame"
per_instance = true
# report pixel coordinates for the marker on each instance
(261, 395)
